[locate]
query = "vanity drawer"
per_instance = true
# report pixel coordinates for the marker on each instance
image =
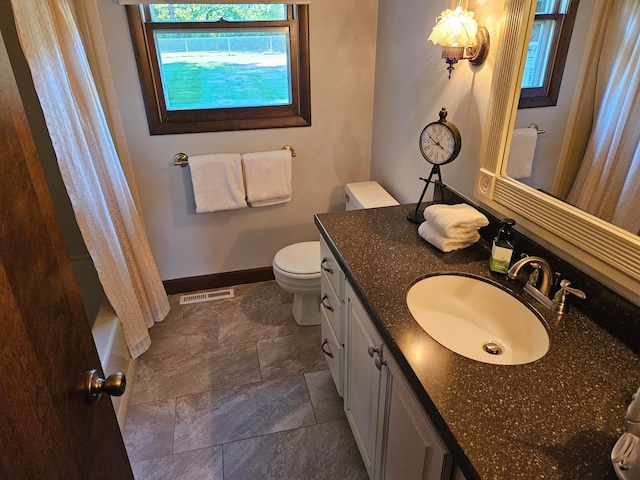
(331, 306)
(329, 266)
(333, 352)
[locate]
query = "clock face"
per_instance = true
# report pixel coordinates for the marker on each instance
(439, 143)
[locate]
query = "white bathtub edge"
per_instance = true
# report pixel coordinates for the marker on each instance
(114, 355)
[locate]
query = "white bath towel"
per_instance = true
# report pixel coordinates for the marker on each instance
(217, 182)
(267, 177)
(443, 243)
(523, 148)
(459, 221)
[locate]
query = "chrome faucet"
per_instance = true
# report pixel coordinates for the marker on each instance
(543, 292)
(541, 266)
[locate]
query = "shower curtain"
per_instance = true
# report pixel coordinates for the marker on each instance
(608, 182)
(91, 170)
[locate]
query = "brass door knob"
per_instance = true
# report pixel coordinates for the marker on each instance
(114, 385)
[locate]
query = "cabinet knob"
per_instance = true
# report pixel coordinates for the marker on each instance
(379, 363)
(371, 350)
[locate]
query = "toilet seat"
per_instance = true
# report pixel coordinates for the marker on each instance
(300, 259)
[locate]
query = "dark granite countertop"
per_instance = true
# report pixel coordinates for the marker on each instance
(556, 418)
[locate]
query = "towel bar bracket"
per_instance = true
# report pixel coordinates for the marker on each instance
(182, 159)
(538, 129)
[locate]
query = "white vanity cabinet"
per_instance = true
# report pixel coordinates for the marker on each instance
(394, 434)
(362, 379)
(332, 314)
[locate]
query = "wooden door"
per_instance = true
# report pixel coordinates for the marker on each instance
(47, 430)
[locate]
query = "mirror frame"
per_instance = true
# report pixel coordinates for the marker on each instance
(606, 252)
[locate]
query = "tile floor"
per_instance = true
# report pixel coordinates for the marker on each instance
(234, 389)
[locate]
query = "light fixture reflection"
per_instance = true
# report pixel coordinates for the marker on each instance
(460, 37)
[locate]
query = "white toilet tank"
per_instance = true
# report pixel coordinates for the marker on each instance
(370, 194)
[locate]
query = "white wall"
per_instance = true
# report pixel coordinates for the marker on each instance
(335, 150)
(412, 86)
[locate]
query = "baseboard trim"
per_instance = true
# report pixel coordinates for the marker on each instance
(217, 280)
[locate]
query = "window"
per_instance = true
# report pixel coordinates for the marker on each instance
(206, 68)
(548, 47)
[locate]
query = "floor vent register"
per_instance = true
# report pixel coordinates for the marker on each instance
(206, 296)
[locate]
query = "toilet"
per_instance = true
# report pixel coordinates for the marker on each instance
(297, 267)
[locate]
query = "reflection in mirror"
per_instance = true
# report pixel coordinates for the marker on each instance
(601, 249)
(589, 154)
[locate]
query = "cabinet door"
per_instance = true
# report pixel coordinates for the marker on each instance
(362, 386)
(411, 450)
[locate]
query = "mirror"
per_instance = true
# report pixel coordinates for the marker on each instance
(606, 252)
(566, 128)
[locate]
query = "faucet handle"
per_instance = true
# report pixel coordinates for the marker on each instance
(559, 299)
(534, 275)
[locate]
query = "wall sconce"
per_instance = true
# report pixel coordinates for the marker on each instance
(460, 37)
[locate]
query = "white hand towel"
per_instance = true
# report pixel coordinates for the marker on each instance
(445, 244)
(455, 221)
(217, 182)
(523, 148)
(268, 177)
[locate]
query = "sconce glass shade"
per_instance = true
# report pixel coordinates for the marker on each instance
(454, 28)
(460, 37)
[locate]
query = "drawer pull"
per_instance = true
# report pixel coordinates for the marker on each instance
(328, 307)
(328, 354)
(328, 270)
(371, 350)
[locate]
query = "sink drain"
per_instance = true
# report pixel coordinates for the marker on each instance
(492, 348)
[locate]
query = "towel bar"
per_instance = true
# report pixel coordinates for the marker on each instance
(535, 125)
(182, 159)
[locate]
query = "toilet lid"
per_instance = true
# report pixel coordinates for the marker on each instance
(300, 258)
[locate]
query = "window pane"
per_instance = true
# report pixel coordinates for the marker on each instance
(552, 6)
(212, 13)
(546, 6)
(221, 69)
(538, 54)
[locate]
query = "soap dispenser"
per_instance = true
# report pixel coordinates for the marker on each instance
(502, 248)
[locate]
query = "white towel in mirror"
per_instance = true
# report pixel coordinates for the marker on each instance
(267, 177)
(523, 149)
(217, 182)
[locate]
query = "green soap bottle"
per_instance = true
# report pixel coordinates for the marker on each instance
(502, 248)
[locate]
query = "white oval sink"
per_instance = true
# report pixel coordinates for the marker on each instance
(473, 317)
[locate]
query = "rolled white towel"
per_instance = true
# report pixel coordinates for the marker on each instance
(445, 244)
(459, 221)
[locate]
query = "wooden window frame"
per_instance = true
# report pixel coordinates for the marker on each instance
(547, 95)
(162, 121)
